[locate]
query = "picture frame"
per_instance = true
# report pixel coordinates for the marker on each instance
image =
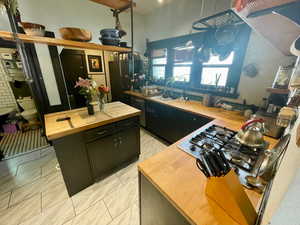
(95, 64)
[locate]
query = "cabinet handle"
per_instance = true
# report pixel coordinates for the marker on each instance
(116, 143)
(120, 140)
(101, 132)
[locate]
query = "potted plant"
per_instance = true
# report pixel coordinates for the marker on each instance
(88, 90)
(102, 92)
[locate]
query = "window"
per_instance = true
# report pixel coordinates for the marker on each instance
(178, 58)
(159, 62)
(183, 61)
(215, 72)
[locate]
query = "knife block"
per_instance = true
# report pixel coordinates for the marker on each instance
(229, 194)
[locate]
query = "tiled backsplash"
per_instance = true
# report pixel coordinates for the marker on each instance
(7, 98)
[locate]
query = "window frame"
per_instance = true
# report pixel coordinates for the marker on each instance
(194, 83)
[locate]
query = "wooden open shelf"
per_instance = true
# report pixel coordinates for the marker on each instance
(60, 42)
(115, 4)
(278, 91)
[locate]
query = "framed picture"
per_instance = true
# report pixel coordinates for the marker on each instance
(95, 64)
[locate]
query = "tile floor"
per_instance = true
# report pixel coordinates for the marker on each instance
(32, 192)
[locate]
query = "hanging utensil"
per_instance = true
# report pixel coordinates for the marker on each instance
(118, 26)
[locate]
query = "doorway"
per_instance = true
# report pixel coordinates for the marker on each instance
(20, 124)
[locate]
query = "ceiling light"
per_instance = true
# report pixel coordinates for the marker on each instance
(160, 1)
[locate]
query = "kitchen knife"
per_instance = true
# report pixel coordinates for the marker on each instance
(206, 165)
(210, 164)
(220, 163)
(213, 163)
(201, 167)
(227, 165)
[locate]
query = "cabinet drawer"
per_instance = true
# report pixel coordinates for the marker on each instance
(132, 122)
(98, 132)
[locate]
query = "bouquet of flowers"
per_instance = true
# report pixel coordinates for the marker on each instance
(88, 88)
(102, 91)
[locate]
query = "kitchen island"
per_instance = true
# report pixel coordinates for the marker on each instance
(88, 147)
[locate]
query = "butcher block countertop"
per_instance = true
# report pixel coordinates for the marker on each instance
(80, 120)
(175, 174)
(195, 107)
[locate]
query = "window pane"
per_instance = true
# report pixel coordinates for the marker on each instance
(182, 73)
(214, 60)
(158, 72)
(183, 55)
(162, 61)
(209, 76)
(156, 53)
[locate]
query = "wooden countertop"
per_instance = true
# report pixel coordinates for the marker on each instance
(197, 108)
(81, 121)
(175, 174)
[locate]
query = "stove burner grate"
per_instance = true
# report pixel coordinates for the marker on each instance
(216, 137)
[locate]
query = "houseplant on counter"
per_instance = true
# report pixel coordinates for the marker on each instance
(88, 90)
(102, 92)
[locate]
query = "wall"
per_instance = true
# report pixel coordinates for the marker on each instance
(7, 99)
(267, 59)
(176, 19)
(76, 13)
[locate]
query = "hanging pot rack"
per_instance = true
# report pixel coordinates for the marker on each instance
(227, 17)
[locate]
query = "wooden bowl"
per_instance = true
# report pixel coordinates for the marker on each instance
(33, 29)
(75, 34)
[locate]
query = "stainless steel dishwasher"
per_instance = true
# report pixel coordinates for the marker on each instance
(141, 105)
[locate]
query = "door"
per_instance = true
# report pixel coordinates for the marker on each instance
(74, 66)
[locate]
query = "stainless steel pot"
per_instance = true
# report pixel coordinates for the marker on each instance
(251, 134)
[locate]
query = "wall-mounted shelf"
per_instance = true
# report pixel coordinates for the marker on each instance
(278, 91)
(60, 42)
(115, 4)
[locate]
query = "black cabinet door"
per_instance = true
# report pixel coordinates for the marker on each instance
(128, 143)
(153, 118)
(170, 123)
(103, 155)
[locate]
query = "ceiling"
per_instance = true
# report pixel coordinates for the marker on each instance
(147, 6)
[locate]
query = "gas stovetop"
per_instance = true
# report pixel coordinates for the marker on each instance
(241, 157)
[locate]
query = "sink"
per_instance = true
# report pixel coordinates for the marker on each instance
(161, 98)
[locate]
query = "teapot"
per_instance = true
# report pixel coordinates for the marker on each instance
(251, 134)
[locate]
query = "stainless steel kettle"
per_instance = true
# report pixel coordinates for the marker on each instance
(251, 134)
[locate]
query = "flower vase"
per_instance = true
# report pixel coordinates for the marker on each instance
(90, 108)
(101, 104)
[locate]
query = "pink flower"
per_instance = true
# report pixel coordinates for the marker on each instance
(103, 89)
(83, 83)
